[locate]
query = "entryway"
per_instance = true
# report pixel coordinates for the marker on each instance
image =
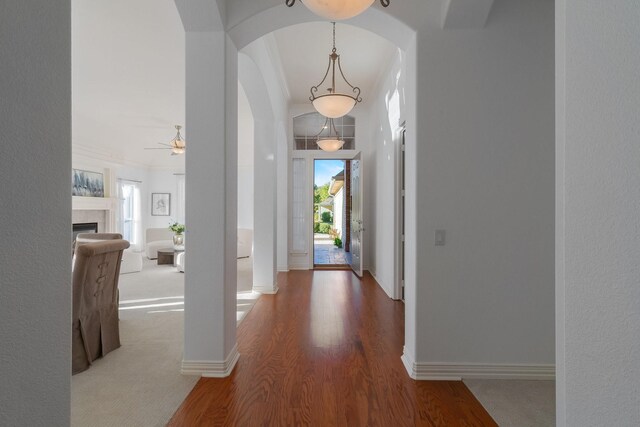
(331, 213)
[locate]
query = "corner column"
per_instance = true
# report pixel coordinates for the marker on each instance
(211, 204)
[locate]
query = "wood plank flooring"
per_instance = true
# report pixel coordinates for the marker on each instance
(325, 351)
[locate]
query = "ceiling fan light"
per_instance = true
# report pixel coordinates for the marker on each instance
(334, 105)
(337, 10)
(178, 150)
(330, 144)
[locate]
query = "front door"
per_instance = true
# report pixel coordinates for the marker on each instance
(357, 228)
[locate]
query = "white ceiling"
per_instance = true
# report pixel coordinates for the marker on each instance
(129, 73)
(128, 79)
(304, 50)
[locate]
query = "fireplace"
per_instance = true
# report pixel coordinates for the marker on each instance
(84, 227)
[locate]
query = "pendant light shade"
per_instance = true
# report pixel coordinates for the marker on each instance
(337, 10)
(334, 104)
(330, 145)
(332, 141)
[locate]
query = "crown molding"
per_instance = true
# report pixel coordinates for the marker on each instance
(95, 154)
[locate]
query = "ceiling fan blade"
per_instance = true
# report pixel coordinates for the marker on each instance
(166, 145)
(168, 148)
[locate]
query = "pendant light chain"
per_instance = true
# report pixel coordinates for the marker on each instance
(334, 37)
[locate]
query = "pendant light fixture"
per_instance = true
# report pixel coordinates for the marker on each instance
(334, 104)
(331, 142)
(337, 10)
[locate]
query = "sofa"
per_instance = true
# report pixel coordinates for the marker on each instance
(245, 248)
(245, 242)
(157, 238)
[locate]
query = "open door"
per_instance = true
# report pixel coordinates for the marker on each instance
(357, 228)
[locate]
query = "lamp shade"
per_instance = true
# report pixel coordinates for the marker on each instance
(337, 10)
(330, 144)
(334, 105)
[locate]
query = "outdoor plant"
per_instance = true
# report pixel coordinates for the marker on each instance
(322, 228)
(326, 217)
(177, 228)
(338, 242)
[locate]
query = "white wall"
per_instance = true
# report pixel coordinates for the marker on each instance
(245, 161)
(598, 206)
(160, 182)
(388, 111)
(35, 257)
(269, 103)
(485, 174)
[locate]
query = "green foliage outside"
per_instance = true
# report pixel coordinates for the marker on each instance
(327, 218)
(320, 193)
(321, 227)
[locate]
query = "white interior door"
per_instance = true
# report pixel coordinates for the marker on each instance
(357, 226)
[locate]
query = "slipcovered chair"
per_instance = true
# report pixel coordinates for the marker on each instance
(131, 261)
(95, 329)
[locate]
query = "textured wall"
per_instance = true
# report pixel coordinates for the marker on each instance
(35, 257)
(485, 166)
(598, 208)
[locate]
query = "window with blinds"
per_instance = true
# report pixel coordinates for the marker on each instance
(299, 204)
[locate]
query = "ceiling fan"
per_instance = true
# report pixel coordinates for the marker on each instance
(177, 145)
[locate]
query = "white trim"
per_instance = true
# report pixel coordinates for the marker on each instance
(408, 363)
(380, 285)
(267, 290)
(457, 372)
(211, 369)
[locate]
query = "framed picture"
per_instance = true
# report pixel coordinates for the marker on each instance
(160, 204)
(87, 184)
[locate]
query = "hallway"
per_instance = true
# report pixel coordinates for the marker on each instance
(326, 350)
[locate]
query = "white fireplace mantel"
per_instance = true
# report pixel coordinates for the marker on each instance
(108, 204)
(94, 203)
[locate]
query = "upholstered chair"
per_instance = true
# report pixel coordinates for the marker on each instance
(95, 329)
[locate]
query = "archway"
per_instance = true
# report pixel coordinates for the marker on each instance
(210, 352)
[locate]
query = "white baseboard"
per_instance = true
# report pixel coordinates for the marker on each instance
(268, 290)
(461, 371)
(211, 369)
(384, 289)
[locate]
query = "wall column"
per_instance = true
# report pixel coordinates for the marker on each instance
(264, 219)
(211, 204)
(35, 255)
(597, 206)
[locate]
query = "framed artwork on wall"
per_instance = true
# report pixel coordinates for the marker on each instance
(160, 204)
(87, 184)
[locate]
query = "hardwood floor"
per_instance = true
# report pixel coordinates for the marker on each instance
(325, 351)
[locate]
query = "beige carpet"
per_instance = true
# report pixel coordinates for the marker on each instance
(140, 383)
(514, 403)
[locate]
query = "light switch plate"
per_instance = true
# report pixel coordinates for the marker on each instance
(440, 237)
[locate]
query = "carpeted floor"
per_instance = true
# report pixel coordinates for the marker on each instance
(514, 403)
(140, 383)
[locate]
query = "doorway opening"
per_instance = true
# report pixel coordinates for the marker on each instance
(331, 214)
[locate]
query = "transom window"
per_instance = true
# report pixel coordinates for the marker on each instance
(306, 128)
